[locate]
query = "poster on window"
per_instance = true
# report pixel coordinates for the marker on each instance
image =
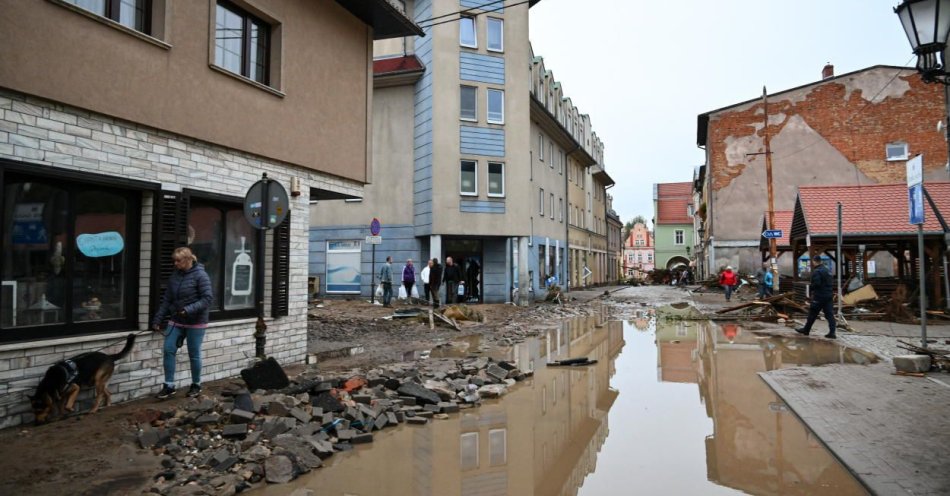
(343, 267)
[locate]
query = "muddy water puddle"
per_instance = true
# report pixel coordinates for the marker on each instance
(670, 407)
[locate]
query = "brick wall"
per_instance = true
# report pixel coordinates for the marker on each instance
(44, 133)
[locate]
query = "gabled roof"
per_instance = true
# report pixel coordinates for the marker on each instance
(672, 203)
(867, 210)
(783, 222)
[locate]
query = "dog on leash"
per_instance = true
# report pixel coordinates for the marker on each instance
(60, 386)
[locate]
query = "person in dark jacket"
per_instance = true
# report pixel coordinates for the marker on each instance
(822, 290)
(435, 280)
(451, 276)
(185, 304)
(471, 279)
(408, 279)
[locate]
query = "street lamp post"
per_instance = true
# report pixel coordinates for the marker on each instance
(927, 24)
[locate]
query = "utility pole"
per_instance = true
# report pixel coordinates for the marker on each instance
(773, 243)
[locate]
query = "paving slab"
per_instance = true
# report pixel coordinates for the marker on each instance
(890, 431)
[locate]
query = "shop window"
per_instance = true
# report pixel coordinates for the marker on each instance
(344, 274)
(226, 244)
(69, 258)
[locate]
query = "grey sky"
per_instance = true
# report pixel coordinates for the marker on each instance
(644, 70)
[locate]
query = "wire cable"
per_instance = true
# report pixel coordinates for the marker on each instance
(459, 13)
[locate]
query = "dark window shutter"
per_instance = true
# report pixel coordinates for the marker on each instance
(171, 231)
(280, 294)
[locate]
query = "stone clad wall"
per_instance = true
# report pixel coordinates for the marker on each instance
(47, 134)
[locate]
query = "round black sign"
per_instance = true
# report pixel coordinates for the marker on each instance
(270, 194)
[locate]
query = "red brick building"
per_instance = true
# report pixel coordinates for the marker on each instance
(856, 128)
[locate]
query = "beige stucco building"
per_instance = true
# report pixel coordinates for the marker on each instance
(130, 128)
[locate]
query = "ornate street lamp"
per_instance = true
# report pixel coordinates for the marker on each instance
(927, 23)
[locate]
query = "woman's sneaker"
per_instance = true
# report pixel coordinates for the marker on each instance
(166, 392)
(194, 391)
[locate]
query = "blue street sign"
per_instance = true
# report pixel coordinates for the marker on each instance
(772, 233)
(916, 199)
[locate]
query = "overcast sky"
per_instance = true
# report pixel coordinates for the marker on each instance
(643, 70)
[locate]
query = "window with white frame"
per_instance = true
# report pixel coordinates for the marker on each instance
(496, 179)
(551, 152)
(468, 103)
(468, 178)
(551, 206)
(467, 32)
(496, 106)
(541, 147)
(496, 35)
(896, 151)
(560, 209)
(468, 453)
(678, 236)
(497, 447)
(541, 202)
(560, 165)
(649, 257)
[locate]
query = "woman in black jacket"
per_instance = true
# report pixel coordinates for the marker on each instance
(435, 280)
(185, 304)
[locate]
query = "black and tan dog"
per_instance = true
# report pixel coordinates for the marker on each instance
(61, 384)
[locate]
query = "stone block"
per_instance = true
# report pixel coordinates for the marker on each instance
(209, 419)
(912, 363)
(278, 469)
(417, 420)
(235, 430)
(363, 438)
(239, 415)
(362, 398)
(497, 373)
(421, 394)
(448, 407)
(300, 415)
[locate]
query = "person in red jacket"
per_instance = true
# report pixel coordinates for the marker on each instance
(728, 280)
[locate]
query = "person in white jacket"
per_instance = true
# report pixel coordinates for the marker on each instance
(424, 277)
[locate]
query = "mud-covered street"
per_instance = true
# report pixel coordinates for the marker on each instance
(665, 401)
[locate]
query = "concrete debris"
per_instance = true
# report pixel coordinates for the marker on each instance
(912, 363)
(213, 446)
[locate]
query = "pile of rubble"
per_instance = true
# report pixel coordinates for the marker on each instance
(224, 447)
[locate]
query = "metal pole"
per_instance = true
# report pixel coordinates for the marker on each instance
(773, 243)
(260, 334)
(372, 286)
(838, 261)
(921, 261)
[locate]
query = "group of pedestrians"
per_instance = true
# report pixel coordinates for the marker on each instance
(432, 277)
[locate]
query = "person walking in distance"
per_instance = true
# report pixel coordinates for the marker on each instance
(185, 304)
(386, 279)
(728, 281)
(435, 280)
(424, 277)
(822, 291)
(451, 276)
(764, 278)
(408, 279)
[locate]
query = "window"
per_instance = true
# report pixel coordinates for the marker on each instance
(551, 152)
(468, 456)
(649, 257)
(468, 103)
(560, 164)
(468, 183)
(560, 209)
(496, 35)
(497, 447)
(551, 206)
(541, 147)
(896, 151)
(541, 204)
(678, 236)
(134, 14)
(226, 244)
(71, 257)
(496, 179)
(496, 106)
(344, 274)
(242, 43)
(467, 32)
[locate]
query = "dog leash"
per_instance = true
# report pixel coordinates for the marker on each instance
(119, 341)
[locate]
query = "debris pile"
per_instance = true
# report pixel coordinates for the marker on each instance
(223, 447)
(939, 358)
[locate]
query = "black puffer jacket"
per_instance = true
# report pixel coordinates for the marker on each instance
(822, 283)
(188, 290)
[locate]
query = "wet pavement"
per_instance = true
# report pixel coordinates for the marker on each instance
(670, 407)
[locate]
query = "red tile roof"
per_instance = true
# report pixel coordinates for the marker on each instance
(672, 203)
(879, 209)
(674, 189)
(396, 65)
(783, 221)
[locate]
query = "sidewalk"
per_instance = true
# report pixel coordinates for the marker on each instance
(892, 432)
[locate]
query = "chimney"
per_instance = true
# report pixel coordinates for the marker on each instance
(828, 71)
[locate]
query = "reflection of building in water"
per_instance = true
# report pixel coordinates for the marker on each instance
(757, 445)
(642, 319)
(542, 438)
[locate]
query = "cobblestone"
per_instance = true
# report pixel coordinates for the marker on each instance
(890, 431)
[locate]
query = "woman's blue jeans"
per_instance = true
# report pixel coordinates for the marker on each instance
(193, 337)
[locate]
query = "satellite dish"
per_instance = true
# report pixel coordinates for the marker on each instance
(939, 126)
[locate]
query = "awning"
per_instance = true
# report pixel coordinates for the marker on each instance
(386, 18)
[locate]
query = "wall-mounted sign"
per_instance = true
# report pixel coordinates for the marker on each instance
(242, 272)
(99, 245)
